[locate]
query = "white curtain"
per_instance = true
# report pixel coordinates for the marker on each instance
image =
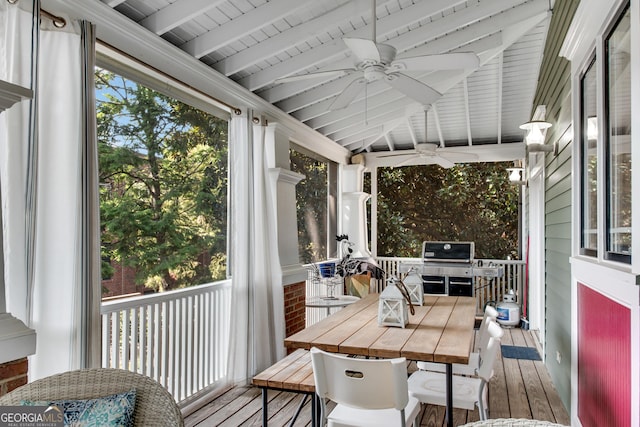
(16, 28)
(257, 322)
(50, 250)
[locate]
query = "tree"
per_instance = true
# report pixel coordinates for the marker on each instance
(311, 207)
(163, 184)
(469, 202)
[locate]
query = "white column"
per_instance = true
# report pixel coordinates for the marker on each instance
(283, 186)
(354, 214)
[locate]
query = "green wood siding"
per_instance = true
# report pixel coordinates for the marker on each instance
(554, 91)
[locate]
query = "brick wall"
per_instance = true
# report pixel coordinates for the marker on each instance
(294, 308)
(13, 375)
(121, 283)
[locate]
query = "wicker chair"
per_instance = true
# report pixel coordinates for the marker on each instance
(154, 405)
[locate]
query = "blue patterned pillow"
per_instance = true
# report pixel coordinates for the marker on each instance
(109, 411)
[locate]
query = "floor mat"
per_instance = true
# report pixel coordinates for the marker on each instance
(516, 352)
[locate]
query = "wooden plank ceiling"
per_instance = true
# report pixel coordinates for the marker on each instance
(475, 110)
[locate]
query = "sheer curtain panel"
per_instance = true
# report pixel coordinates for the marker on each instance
(50, 173)
(257, 322)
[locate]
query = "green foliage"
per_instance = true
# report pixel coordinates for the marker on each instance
(311, 207)
(163, 183)
(470, 202)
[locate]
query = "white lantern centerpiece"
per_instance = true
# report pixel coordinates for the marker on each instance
(392, 306)
(413, 282)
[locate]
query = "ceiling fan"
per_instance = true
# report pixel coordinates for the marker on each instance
(377, 61)
(432, 152)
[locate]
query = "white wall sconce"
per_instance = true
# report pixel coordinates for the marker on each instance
(535, 137)
(516, 176)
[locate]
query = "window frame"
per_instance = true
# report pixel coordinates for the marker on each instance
(332, 196)
(584, 142)
(146, 75)
(606, 140)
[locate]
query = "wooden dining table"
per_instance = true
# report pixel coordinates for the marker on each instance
(440, 331)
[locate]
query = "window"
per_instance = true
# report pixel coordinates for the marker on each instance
(589, 163)
(315, 205)
(163, 188)
(618, 140)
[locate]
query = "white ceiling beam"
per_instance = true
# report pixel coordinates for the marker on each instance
(242, 26)
(412, 131)
(516, 18)
(390, 144)
(461, 18)
(500, 82)
(386, 129)
(385, 26)
(113, 3)
(282, 91)
(484, 153)
(434, 109)
(289, 38)
(176, 14)
(467, 114)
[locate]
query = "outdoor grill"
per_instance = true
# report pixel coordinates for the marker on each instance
(448, 268)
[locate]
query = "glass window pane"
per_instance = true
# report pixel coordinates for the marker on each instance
(618, 107)
(589, 163)
(311, 204)
(163, 189)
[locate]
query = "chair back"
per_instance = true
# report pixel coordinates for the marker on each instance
(361, 383)
(490, 315)
(490, 354)
(154, 404)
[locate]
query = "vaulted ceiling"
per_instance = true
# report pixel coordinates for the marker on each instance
(262, 44)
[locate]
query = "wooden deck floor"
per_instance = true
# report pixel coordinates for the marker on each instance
(519, 389)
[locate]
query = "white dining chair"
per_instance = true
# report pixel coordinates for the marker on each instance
(430, 387)
(367, 392)
(470, 368)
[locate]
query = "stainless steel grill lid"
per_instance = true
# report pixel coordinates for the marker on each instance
(451, 252)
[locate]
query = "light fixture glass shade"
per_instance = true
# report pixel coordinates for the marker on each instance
(534, 134)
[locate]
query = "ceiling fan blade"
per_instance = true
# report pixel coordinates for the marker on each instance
(403, 162)
(443, 162)
(348, 94)
(460, 156)
(445, 61)
(413, 88)
(328, 73)
(363, 49)
(410, 153)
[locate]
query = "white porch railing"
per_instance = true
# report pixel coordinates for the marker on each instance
(179, 338)
(486, 288)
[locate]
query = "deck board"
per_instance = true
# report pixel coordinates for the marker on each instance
(519, 389)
